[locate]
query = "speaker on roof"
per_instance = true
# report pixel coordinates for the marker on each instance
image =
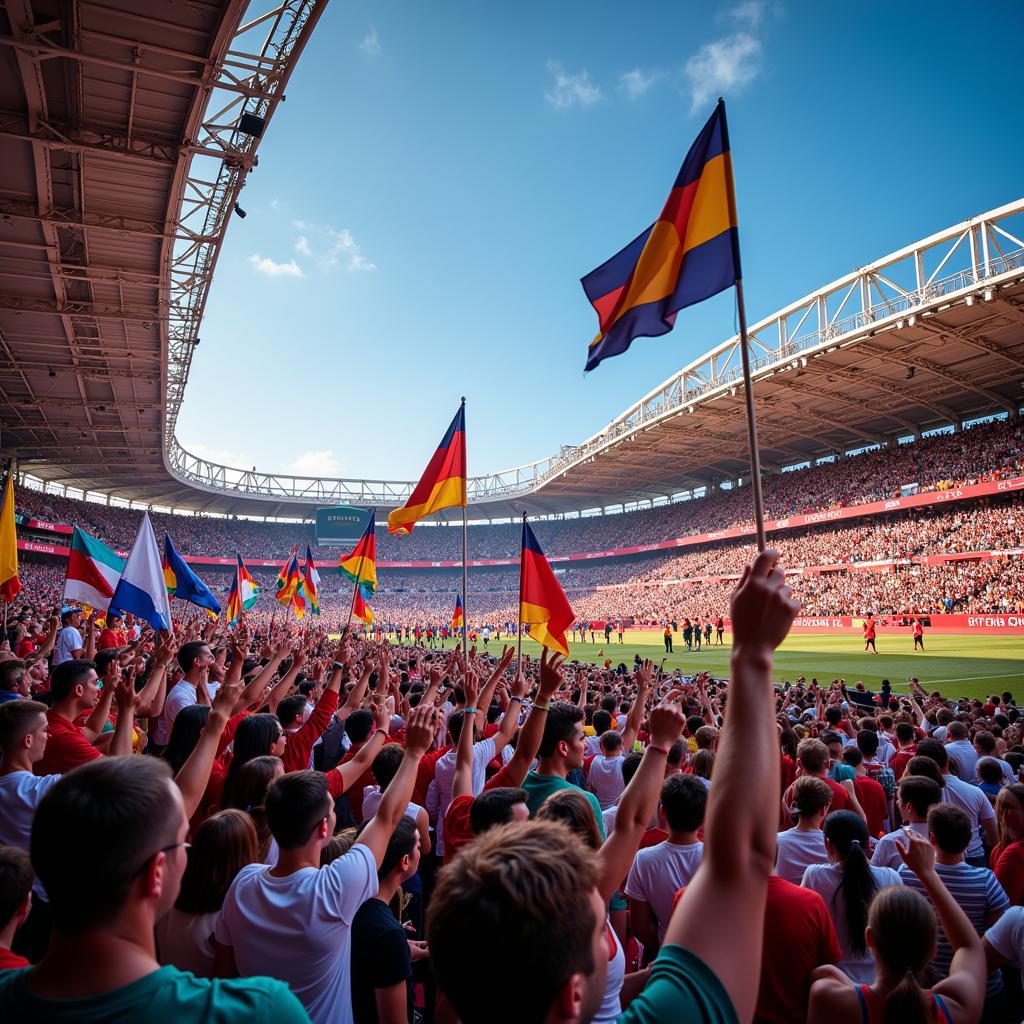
(251, 124)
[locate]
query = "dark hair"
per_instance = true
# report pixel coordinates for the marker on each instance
(813, 755)
(386, 764)
(401, 844)
(289, 710)
(848, 833)
(703, 764)
(118, 811)
(67, 675)
(102, 659)
(693, 723)
(560, 726)
(920, 792)
(904, 732)
(926, 766)
(684, 799)
(254, 737)
(11, 672)
(571, 807)
(630, 764)
(988, 770)
(455, 722)
(936, 751)
(705, 737)
(246, 790)
(611, 740)
(676, 753)
(296, 803)
(852, 755)
(494, 807)
(602, 721)
(867, 742)
(187, 653)
(17, 717)
(951, 828)
(810, 795)
(958, 730)
(986, 741)
(359, 725)
(15, 881)
(221, 847)
(188, 726)
(903, 929)
(527, 886)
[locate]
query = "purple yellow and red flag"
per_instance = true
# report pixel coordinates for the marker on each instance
(543, 605)
(311, 582)
(360, 564)
(688, 254)
(457, 619)
(289, 579)
(443, 484)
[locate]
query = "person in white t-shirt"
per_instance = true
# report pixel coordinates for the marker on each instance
(804, 844)
(69, 641)
(847, 885)
(23, 735)
(959, 748)
(604, 779)
(196, 659)
(660, 871)
(916, 796)
(1004, 941)
(294, 920)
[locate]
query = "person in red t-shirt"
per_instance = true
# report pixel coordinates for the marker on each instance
(870, 794)
(1008, 856)
(15, 902)
(799, 937)
(869, 635)
(76, 689)
(906, 740)
(813, 758)
(112, 635)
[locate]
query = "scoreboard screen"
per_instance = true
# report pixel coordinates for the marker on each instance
(341, 526)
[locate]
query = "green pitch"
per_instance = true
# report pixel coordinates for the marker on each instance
(958, 666)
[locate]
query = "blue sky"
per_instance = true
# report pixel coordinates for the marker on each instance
(441, 175)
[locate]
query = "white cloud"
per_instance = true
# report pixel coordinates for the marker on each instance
(275, 203)
(571, 90)
(271, 269)
(371, 43)
(315, 464)
(636, 82)
(722, 66)
(747, 14)
(302, 246)
(333, 247)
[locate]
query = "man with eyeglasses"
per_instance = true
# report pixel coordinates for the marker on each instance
(125, 820)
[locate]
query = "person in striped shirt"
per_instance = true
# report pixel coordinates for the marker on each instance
(976, 890)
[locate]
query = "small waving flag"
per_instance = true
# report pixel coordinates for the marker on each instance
(288, 579)
(10, 585)
(688, 254)
(141, 589)
(443, 484)
(457, 619)
(183, 583)
(311, 582)
(360, 609)
(542, 603)
(360, 564)
(244, 592)
(92, 573)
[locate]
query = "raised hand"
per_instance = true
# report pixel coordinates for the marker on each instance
(423, 724)
(551, 676)
(666, 723)
(471, 687)
(917, 852)
(762, 609)
(125, 696)
(224, 702)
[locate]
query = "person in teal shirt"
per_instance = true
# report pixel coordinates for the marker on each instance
(561, 750)
(524, 897)
(108, 843)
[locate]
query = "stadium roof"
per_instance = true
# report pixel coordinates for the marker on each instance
(125, 140)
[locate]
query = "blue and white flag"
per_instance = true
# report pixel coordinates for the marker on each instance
(141, 589)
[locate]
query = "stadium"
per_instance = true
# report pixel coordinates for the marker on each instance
(888, 405)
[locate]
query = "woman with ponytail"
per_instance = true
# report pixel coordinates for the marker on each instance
(901, 935)
(847, 884)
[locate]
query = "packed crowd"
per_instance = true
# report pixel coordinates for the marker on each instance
(273, 825)
(933, 463)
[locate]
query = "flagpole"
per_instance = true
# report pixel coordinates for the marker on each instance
(519, 616)
(465, 573)
(748, 384)
(352, 607)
